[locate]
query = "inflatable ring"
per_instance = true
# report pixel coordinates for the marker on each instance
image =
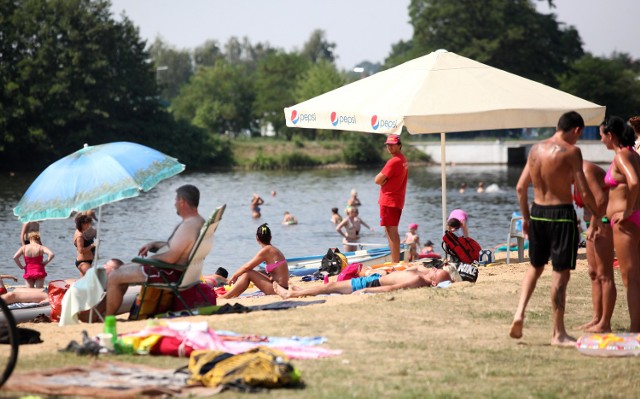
(431, 255)
(513, 247)
(609, 345)
(387, 267)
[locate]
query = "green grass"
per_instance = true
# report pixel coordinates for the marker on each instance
(428, 343)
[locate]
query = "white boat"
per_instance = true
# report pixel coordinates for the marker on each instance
(305, 265)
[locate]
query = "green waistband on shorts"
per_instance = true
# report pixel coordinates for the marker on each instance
(553, 220)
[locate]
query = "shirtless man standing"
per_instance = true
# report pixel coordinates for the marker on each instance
(553, 165)
(414, 277)
(178, 246)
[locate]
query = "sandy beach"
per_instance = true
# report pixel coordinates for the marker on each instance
(416, 343)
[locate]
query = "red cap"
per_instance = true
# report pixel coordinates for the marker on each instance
(393, 139)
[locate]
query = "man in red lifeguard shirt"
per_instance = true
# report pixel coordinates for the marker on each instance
(393, 186)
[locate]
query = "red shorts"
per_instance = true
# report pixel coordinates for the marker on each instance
(3, 290)
(389, 216)
(155, 275)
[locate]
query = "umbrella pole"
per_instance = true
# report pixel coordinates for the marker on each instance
(95, 258)
(443, 172)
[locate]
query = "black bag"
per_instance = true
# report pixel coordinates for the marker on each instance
(468, 271)
(26, 336)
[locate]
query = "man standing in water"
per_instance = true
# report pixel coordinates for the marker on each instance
(393, 186)
(553, 165)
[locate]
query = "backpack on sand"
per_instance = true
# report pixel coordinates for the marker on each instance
(261, 367)
(461, 249)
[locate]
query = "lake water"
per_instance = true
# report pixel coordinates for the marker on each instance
(308, 194)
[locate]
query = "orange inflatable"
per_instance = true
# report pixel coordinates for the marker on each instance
(386, 267)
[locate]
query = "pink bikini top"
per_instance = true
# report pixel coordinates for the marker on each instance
(608, 179)
(272, 266)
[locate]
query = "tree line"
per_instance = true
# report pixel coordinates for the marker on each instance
(70, 74)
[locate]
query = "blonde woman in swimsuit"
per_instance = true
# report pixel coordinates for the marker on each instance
(623, 210)
(351, 224)
(277, 269)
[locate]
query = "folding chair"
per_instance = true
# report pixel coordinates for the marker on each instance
(192, 270)
(515, 231)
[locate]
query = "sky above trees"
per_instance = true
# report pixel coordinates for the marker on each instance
(362, 29)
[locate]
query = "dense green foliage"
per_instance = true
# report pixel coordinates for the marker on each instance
(362, 149)
(69, 75)
(72, 74)
(612, 82)
(217, 99)
(512, 35)
(506, 34)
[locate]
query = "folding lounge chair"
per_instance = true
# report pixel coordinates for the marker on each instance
(192, 270)
(515, 231)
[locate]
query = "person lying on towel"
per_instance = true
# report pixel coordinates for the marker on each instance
(413, 277)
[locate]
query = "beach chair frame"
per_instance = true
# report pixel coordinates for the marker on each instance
(192, 270)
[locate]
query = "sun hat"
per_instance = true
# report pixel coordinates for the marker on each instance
(393, 139)
(413, 226)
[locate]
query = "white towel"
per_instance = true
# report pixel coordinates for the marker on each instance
(84, 294)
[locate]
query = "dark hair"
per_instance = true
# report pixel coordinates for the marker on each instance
(264, 234)
(189, 193)
(334, 210)
(82, 219)
(619, 128)
(454, 223)
(570, 120)
(221, 271)
(117, 261)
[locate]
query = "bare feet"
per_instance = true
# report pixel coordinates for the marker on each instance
(588, 324)
(563, 341)
(284, 294)
(598, 329)
(516, 329)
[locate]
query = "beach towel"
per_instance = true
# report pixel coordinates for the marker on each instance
(105, 380)
(84, 294)
(184, 337)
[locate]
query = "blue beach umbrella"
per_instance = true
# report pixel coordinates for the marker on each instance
(94, 176)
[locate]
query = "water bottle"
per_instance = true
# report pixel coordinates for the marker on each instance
(110, 328)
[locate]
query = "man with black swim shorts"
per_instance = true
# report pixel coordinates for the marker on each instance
(413, 277)
(552, 167)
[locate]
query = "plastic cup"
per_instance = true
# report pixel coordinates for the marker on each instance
(105, 340)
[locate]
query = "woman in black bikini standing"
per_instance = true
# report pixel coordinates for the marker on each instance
(86, 248)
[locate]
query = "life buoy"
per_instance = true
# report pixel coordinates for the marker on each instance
(609, 345)
(430, 255)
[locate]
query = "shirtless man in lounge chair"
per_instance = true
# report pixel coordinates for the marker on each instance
(553, 166)
(178, 246)
(414, 277)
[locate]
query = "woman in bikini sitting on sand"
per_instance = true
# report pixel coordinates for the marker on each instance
(277, 269)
